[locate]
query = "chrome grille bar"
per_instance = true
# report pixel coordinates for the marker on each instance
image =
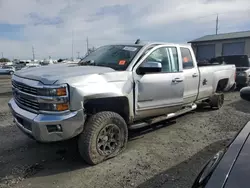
(23, 87)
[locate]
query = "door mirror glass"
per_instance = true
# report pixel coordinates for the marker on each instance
(149, 67)
(245, 93)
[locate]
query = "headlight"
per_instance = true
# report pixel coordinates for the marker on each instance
(54, 98)
(59, 91)
(54, 107)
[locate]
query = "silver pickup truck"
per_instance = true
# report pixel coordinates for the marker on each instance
(115, 88)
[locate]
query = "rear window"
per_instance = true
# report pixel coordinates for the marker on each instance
(6, 67)
(187, 59)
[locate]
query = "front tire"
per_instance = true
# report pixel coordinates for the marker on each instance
(105, 135)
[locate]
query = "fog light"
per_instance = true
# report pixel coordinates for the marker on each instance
(54, 128)
(59, 127)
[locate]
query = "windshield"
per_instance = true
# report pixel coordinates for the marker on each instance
(237, 60)
(117, 57)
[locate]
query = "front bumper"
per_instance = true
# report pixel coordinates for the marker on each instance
(38, 125)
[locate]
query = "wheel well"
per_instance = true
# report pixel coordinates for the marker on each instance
(119, 105)
(222, 84)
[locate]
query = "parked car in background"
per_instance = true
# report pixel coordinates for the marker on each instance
(31, 65)
(7, 70)
(230, 167)
(113, 89)
(242, 64)
(245, 93)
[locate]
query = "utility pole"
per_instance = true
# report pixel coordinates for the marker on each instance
(87, 45)
(217, 23)
(78, 55)
(72, 55)
(33, 53)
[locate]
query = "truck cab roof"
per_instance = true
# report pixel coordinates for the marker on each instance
(144, 44)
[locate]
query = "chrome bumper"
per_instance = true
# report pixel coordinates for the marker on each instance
(39, 126)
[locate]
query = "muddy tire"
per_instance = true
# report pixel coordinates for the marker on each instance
(105, 135)
(217, 101)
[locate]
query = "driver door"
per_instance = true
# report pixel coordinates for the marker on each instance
(159, 93)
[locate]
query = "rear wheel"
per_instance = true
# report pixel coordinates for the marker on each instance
(217, 101)
(105, 135)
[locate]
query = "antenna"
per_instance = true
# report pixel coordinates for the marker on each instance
(217, 23)
(137, 41)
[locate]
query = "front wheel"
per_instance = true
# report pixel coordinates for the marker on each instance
(105, 135)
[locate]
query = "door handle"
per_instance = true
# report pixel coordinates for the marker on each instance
(194, 75)
(177, 80)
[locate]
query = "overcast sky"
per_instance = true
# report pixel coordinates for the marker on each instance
(48, 24)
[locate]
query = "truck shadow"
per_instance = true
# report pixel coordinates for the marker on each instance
(139, 133)
(241, 105)
(183, 174)
(25, 158)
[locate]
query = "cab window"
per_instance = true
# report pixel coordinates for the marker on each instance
(187, 60)
(168, 58)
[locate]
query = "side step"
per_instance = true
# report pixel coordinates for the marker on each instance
(163, 117)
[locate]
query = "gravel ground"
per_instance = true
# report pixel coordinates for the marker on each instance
(169, 155)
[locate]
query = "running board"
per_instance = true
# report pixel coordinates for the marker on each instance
(163, 117)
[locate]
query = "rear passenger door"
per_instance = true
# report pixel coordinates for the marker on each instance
(191, 75)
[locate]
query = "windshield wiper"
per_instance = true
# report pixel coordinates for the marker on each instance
(88, 62)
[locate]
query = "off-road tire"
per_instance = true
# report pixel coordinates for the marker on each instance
(87, 141)
(216, 101)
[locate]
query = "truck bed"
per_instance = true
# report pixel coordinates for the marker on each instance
(209, 76)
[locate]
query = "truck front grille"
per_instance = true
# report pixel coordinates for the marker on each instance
(25, 96)
(25, 88)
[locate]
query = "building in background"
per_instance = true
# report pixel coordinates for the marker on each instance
(209, 46)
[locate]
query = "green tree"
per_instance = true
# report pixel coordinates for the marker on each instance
(2, 60)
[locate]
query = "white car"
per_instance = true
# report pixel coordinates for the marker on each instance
(31, 66)
(7, 70)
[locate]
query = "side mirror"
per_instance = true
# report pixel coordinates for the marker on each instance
(149, 67)
(245, 93)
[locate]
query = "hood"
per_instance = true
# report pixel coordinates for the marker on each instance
(233, 169)
(52, 73)
(239, 176)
